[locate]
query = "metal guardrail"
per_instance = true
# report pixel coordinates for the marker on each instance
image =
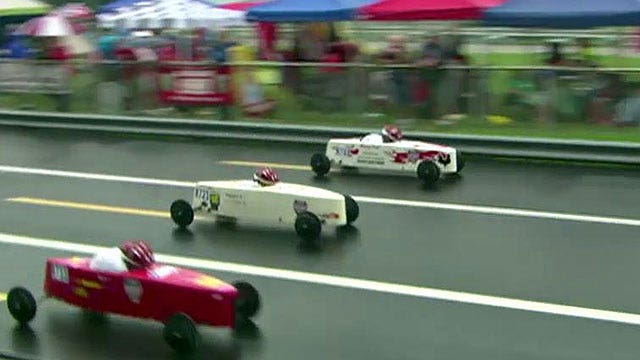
(518, 147)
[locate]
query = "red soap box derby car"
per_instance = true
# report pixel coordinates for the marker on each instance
(177, 297)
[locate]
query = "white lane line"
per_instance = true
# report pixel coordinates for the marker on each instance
(346, 282)
(491, 210)
(90, 176)
(503, 211)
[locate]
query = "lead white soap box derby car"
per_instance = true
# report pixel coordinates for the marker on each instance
(428, 161)
(307, 208)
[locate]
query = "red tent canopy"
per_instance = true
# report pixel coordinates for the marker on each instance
(241, 5)
(398, 10)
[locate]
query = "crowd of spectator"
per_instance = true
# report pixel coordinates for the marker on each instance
(421, 85)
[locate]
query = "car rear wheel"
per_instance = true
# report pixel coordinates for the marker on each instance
(460, 162)
(352, 209)
(248, 301)
(308, 226)
(320, 164)
(22, 305)
(180, 333)
(428, 172)
(182, 213)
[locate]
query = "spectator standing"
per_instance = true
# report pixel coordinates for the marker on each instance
(429, 65)
(395, 54)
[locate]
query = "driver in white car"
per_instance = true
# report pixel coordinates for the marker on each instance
(388, 134)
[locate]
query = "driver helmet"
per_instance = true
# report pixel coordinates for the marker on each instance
(137, 254)
(391, 133)
(266, 177)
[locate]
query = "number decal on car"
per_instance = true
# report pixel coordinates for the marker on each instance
(60, 273)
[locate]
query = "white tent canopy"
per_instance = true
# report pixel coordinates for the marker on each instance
(175, 14)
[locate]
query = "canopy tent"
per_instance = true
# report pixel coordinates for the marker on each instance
(306, 10)
(118, 5)
(50, 25)
(241, 5)
(176, 14)
(564, 14)
(407, 10)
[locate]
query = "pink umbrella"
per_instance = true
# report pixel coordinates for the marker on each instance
(74, 11)
(50, 25)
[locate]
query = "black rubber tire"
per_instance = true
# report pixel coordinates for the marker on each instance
(22, 305)
(352, 209)
(460, 162)
(180, 333)
(308, 226)
(428, 172)
(182, 213)
(248, 302)
(320, 164)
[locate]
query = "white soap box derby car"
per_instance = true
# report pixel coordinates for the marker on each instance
(307, 208)
(428, 161)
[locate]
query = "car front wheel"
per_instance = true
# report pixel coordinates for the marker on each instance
(182, 213)
(180, 333)
(352, 209)
(21, 304)
(248, 300)
(428, 172)
(320, 164)
(308, 226)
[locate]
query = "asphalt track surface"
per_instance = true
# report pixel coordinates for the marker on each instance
(579, 263)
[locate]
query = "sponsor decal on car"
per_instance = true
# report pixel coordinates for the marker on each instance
(209, 281)
(89, 284)
(330, 216)
(133, 289)
(413, 156)
(346, 150)
(162, 271)
(81, 292)
(299, 206)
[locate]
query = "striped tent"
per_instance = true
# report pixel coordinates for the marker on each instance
(174, 14)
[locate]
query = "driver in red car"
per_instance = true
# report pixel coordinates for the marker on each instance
(134, 254)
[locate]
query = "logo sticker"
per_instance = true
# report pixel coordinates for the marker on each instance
(299, 206)
(133, 289)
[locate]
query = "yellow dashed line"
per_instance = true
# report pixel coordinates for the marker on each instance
(266, 164)
(87, 206)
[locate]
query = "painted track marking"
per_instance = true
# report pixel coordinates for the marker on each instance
(91, 207)
(266, 164)
(490, 210)
(346, 282)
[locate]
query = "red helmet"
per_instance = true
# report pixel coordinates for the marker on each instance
(392, 132)
(266, 176)
(137, 253)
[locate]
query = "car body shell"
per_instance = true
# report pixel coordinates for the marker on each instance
(154, 293)
(404, 155)
(280, 203)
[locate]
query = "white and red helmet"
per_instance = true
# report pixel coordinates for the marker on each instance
(137, 254)
(266, 177)
(392, 132)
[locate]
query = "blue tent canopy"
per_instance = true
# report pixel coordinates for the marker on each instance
(564, 13)
(306, 10)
